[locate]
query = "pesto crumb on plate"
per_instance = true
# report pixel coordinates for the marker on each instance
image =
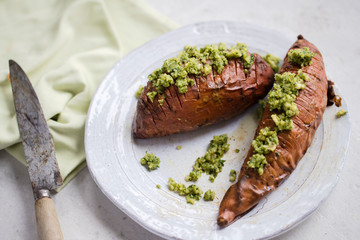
(150, 161)
(341, 113)
(191, 193)
(209, 195)
(211, 163)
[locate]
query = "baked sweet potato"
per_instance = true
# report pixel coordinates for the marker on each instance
(311, 102)
(211, 99)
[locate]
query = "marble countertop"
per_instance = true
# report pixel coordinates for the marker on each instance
(85, 213)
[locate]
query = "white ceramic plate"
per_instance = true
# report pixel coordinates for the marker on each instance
(113, 155)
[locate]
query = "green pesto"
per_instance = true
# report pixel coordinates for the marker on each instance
(282, 122)
(161, 99)
(211, 163)
(282, 97)
(139, 91)
(212, 178)
(209, 195)
(303, 76)
(182, 84)
(261, 108)
(179, 188)
(266, 141)
(207, 69)
(151, 95)
(232, 177)
(192, 193)
(158, 186)
(240, 51)
(273, 61)
(301, 56)
(194, 61)
(178, 147)
(340, 113)
(150, 161)
(193, 66)
(165, 80)
(286, 87)
(257, 161)
(237, 150)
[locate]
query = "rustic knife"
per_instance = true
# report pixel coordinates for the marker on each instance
(39, 152)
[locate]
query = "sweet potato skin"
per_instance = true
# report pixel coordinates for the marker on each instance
(211, 99)
(311, 102)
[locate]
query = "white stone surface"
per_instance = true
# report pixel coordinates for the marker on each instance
(85, 213)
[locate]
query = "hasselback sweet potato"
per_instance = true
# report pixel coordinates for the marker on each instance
(311, 102)
(212, 98)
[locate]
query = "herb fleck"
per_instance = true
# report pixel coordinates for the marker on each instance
(151, 95)
(150, 161)
(232, 177)
(340, 113)
(139, 91)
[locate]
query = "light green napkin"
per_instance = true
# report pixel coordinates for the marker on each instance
(66, 47)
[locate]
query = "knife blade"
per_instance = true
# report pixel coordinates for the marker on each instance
(39, 151)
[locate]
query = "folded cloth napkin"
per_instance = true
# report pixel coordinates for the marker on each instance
(66, 47)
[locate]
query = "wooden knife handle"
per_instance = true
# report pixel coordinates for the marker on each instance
(48, 226)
